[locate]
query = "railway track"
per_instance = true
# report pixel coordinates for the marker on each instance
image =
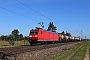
(24, 49)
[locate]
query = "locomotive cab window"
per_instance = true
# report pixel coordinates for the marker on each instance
(33, 32)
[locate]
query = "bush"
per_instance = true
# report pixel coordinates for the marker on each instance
(11, 39)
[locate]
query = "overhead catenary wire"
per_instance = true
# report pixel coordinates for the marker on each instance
(40, 13)
(33, 9)
(50, 15)
(22, 10)
(18, 14)
(29, 17)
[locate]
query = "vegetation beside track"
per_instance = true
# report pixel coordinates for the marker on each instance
(5, 44)
(79, 55)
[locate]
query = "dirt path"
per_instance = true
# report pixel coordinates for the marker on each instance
(68, 58)
(87, 54)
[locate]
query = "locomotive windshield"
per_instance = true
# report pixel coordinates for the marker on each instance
(33, 32)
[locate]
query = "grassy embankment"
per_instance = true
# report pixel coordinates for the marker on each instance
(79, 55)
(4, 44)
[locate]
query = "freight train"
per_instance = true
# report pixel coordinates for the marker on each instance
(40, 36)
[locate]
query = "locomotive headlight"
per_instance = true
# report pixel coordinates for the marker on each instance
(30, 36)
(35, 35)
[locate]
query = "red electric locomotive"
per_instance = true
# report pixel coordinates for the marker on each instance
(39, 35)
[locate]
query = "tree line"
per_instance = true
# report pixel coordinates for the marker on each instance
(15, 33)
(14, 36)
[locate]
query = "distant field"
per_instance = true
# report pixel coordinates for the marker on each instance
(4, 44)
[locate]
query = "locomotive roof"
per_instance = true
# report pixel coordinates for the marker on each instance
(38, 28)
(50, 31)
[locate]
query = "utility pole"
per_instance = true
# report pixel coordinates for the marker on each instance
(81, 34)
(85, 37)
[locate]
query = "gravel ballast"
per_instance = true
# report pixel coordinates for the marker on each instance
(40, 54)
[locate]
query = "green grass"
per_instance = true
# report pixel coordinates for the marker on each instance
(67, 52)
(3, 46)
(80, 54)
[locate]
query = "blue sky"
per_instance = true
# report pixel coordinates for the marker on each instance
(67, 15)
